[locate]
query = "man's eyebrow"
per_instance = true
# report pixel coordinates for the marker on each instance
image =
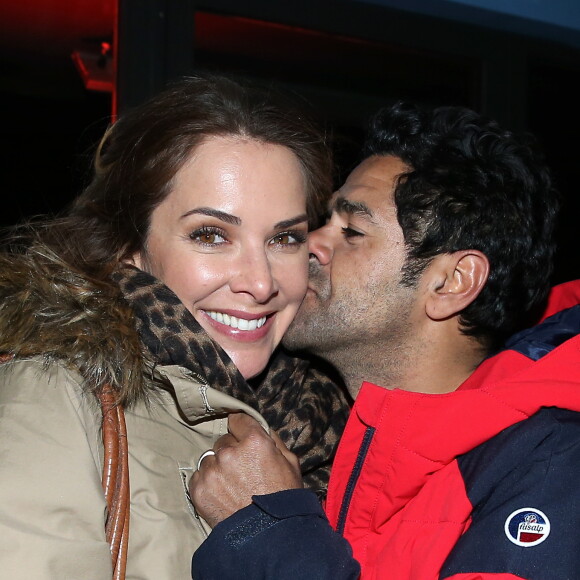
(216, 213)
(291, 222)
(343, 205)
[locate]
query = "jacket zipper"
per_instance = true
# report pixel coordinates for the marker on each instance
(190, 505)
(353, 479)
(203, 386)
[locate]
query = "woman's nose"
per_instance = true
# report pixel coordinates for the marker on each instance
(320, 245)
(254, 276)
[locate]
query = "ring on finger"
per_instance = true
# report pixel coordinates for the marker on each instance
(203, 456)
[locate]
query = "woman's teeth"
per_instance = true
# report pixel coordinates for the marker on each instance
(239, 323)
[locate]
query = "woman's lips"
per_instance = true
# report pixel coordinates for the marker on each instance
(236, 322)
(239, 326)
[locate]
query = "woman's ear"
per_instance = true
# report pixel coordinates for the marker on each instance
(134, 260)
(454, 282)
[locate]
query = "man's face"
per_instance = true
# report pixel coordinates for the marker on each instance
(355, 302)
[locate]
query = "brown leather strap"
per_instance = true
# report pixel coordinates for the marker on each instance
(116, 480)
(115, 476)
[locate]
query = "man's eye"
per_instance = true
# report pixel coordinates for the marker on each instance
(350, 233)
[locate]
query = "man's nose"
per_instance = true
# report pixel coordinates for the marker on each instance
(254, 276)
(320, 245)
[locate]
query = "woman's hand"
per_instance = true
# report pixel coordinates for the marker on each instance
(247, 462)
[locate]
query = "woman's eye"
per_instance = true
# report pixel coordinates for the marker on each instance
(208, 236)
(289, 239)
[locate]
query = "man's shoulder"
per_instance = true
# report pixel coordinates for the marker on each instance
(523, 487)
(512, 451)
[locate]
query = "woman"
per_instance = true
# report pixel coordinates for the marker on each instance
(166, 287)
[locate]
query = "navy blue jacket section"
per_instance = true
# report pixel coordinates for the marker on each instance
(537, 341)
(535, 464)
(282, 536)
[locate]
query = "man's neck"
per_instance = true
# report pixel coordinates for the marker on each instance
(436, 367)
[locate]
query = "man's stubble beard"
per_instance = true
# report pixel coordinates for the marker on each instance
(360, 333)
(310, 321)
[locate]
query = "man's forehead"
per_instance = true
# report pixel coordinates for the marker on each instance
(360, 198)
(369, 188)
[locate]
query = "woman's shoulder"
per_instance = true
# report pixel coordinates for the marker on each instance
(50, 467)
(42, 383)
(52, 311)
(46, 400)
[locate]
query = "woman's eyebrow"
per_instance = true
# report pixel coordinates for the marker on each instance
(216, 213)
(291, 222)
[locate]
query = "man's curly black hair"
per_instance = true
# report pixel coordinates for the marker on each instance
(473, 185)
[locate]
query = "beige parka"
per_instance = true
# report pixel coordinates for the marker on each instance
(51, 455)
(52, 506)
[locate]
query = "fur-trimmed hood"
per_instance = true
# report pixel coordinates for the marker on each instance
(48, 310)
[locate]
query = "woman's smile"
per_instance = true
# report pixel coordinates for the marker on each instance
(237, 322)
(240, 326)
(230, 241)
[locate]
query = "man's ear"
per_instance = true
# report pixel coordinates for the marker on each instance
(454, 282)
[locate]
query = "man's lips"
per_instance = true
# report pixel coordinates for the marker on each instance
(312, 291)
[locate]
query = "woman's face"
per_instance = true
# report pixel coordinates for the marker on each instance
(230, 241)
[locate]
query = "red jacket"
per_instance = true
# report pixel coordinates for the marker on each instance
(478, 484)
(399, 491)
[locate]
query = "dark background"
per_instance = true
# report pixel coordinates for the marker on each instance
(347, 58)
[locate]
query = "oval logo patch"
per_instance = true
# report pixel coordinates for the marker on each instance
(527, 527)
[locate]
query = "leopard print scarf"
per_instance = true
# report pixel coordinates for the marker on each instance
(302, 404)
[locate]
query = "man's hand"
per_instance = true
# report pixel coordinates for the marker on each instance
(247, 462)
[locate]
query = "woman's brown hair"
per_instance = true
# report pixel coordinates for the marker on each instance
(141, 153)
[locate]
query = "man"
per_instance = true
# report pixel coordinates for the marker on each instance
(460, 456)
